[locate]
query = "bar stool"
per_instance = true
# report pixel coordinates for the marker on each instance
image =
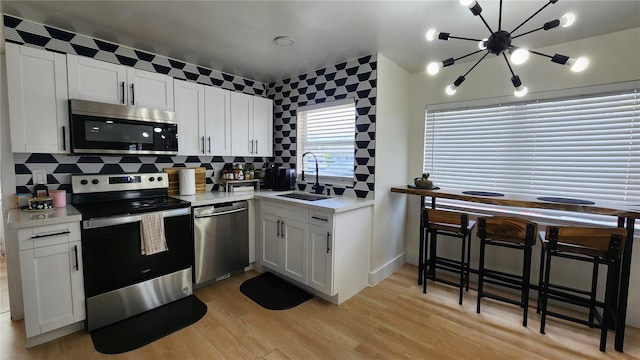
(598, 246)
(452, 224)
(513, 233)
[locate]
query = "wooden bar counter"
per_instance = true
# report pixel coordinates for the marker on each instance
(625, 212)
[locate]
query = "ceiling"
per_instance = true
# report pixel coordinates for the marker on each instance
(237, 36)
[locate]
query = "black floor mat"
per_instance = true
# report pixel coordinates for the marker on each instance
(142, 329)
(271, 292)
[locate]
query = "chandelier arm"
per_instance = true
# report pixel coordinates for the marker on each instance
(534, 14)
(528, 32)
(500, 17)
(476, 64)
(508, 64)
(485, 23)
(541, 54)
(463, 38)
(469, 54)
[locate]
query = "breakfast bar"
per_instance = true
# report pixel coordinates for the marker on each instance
(625, 212)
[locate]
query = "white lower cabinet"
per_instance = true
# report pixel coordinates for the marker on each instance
(52, 280)
(325, 251)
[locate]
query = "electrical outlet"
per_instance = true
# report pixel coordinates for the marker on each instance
(39, 176)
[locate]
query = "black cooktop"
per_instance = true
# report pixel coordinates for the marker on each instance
(91, 210)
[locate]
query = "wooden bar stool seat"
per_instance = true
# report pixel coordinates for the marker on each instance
(453, 225)
(597, 246)
(506, 232)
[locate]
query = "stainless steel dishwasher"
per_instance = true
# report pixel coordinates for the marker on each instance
(221, 239)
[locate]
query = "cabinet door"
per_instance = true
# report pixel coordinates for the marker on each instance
(189, 103)
(241, 123)
(38, 100)
(95, 80)
(262, 126)
(47, 288)
(150, 90)
(217, 114)
(294, 264)
(321, 259)
(272, 246)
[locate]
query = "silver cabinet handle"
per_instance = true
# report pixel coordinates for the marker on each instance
(122, 92)
(283, 230)
(256, 147)
(203, 151)
(209, 144)
(319, 218)
(133, 95)
(251, 151)
(328, 242)
(64, 139)
(278, 229)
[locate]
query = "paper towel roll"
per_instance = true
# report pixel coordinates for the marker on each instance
(187, 181)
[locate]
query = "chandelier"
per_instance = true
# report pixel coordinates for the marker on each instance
(500, 43)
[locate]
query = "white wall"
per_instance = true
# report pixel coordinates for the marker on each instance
(392, 104)
(613, 57)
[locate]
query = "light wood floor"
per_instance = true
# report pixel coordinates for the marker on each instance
(4, 286)
(393, 320)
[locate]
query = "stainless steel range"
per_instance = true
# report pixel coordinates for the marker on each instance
(120, 280)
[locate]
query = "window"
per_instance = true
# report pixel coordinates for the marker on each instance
(585, 147)
(328, 131)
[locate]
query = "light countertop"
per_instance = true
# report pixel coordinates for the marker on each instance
(335, 204)
(20, 219)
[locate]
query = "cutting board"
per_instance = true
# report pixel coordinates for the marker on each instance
(172, 174)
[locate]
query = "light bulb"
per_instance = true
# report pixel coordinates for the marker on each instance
(519, 56)
(431, 34)
(434, 67)
(567, 20)
(467, 3)
(451, 89)
(579, 64)
(482, 45)
(520, 91)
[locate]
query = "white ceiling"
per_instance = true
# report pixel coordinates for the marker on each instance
(237, 36)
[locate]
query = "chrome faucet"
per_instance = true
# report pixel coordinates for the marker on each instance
(316, 187)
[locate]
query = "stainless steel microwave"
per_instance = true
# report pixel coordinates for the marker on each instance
(99, 128)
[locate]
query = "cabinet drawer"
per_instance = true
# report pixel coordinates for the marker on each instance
(299, 213)
(48, 235)
(320, 218)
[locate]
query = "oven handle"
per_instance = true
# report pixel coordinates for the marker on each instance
(118, 220)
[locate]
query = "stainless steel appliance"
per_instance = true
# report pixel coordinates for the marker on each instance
(120, 281)
(100, 128)
(221, 238)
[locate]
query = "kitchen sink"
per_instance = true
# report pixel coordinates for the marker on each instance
(305, 196)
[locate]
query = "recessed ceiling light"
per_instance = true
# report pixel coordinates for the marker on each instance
(284, 40)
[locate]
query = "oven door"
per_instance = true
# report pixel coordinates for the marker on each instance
(112, 256)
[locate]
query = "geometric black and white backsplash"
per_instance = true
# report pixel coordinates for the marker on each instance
(352, 79)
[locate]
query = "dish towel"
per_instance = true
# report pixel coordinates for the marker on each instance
(152, 234)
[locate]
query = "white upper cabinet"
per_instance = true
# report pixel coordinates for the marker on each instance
(38, 100)
(100, 81)
(251, 125)
(203, 114)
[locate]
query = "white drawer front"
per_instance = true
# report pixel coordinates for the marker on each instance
(48, 235)
(293, 212)
(320, 218)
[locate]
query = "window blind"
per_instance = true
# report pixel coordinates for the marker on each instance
(328, 131)
(585, 147)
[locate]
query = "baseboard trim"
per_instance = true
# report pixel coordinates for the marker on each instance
(54, 334)
(376, 276)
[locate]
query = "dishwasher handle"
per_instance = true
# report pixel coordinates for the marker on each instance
(220, 213)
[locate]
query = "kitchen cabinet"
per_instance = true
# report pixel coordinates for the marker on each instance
(52, 280)
(251, 125)
(204, 118)
(324, 250)
(38, 101)
(100, 81)
(284, 240)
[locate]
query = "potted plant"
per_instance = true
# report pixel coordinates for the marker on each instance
(423, 182)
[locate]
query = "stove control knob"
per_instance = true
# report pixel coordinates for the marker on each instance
(84, 182)
(159, 178)
(95, 181)
(152, 179)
